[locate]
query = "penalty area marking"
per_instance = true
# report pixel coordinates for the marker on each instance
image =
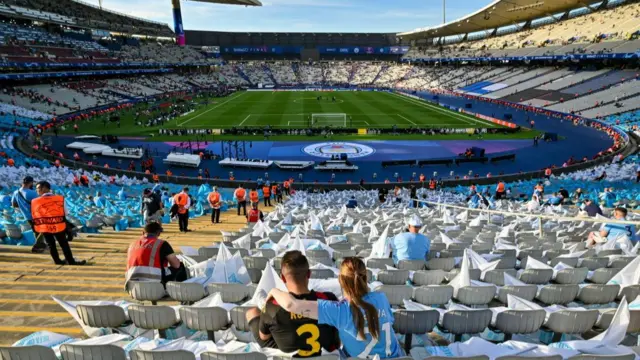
(297, 101)
(406, 119)
(213, 108)
(245, 119)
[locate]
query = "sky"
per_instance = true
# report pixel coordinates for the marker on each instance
(302, 15)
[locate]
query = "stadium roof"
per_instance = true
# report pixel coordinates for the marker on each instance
(233, 2)
(498, 14)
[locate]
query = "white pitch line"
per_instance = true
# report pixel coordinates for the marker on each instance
(449, 113)
(407, 119)
(245, 119)
(213, 108)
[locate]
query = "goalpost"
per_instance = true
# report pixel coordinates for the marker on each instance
(329, 120)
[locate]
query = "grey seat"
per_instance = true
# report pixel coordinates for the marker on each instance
(552, 357)
(243, 252)
(511, 322)
(268, 253)
(256, 262)
(476, 295)
(33, 352)
(621, 262)
(557, 294)
(573, 262)
(379, 263)
(474, 274)
(414, 322)
(631, 292)
(146, 291)
(343, 253)
(209, 319)
(239, 318)
(208, 251)
(322, 274)
(153, 317)
(433, 295)
(231, 293)
(571, 276)
(598, 293)
(411, 265)
(603, 357)
(186, 293)
(318, 254)
(603, 275)
(240, 356)
(477, 357)
(496, 276)
(101, 316)
(536, 276)
(93, 352)
(570, 322)
(507, 263)
(460, 322)
(610, 252)
(255, 275)
(534, 253)
(161, 355)
(396, 293)
(594, 263)
(606, 316)
(445, 264)
(393, 277)
(527, 292)
(428, 277)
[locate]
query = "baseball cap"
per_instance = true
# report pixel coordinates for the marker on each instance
(415, 221)
(27, 180)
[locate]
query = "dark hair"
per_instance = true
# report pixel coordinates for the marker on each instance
(44, 184)
(297, 266)
(353, 280)
(622, 210)
(153, 228)
(185, 189)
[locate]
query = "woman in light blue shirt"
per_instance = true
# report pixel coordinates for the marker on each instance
(364, 319)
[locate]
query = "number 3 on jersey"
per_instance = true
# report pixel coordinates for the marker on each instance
(312, 340)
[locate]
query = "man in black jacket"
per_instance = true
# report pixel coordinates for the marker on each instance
(151, 207)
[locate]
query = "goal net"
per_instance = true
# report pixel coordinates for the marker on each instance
(329, 120)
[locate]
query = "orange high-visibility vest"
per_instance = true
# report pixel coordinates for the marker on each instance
(240, 194)
(181, 200)
(547, 172)
(266, 191)
(145, 252)
(156, 178)
(274, 189)
(48, 214)
(432, 184)
(214, 200)
(286, 184)
(500, 187)
(253, 196)
(254, 216)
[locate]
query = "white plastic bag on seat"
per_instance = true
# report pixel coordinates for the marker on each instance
(629, 275)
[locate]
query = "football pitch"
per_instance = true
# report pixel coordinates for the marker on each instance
(354, 109)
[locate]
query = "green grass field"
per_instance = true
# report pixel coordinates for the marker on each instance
(293, 110)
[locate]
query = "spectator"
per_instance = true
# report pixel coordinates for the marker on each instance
(410, 245)
(592, 208)
(276, 328)
(22, 200)
(140, 265)
(151, 207)
(352, 203)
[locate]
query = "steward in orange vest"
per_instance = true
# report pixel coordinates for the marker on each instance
(241, 197)
(183, 203)
(254, 214)
(500, 190)
(266, 194)
(432, 184)
(49, 220)
(214, 201)
(148, 257)
(547, 173)
(156, 178)
(254, 197)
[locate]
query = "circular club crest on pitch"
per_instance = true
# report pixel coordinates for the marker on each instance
(328, 149)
